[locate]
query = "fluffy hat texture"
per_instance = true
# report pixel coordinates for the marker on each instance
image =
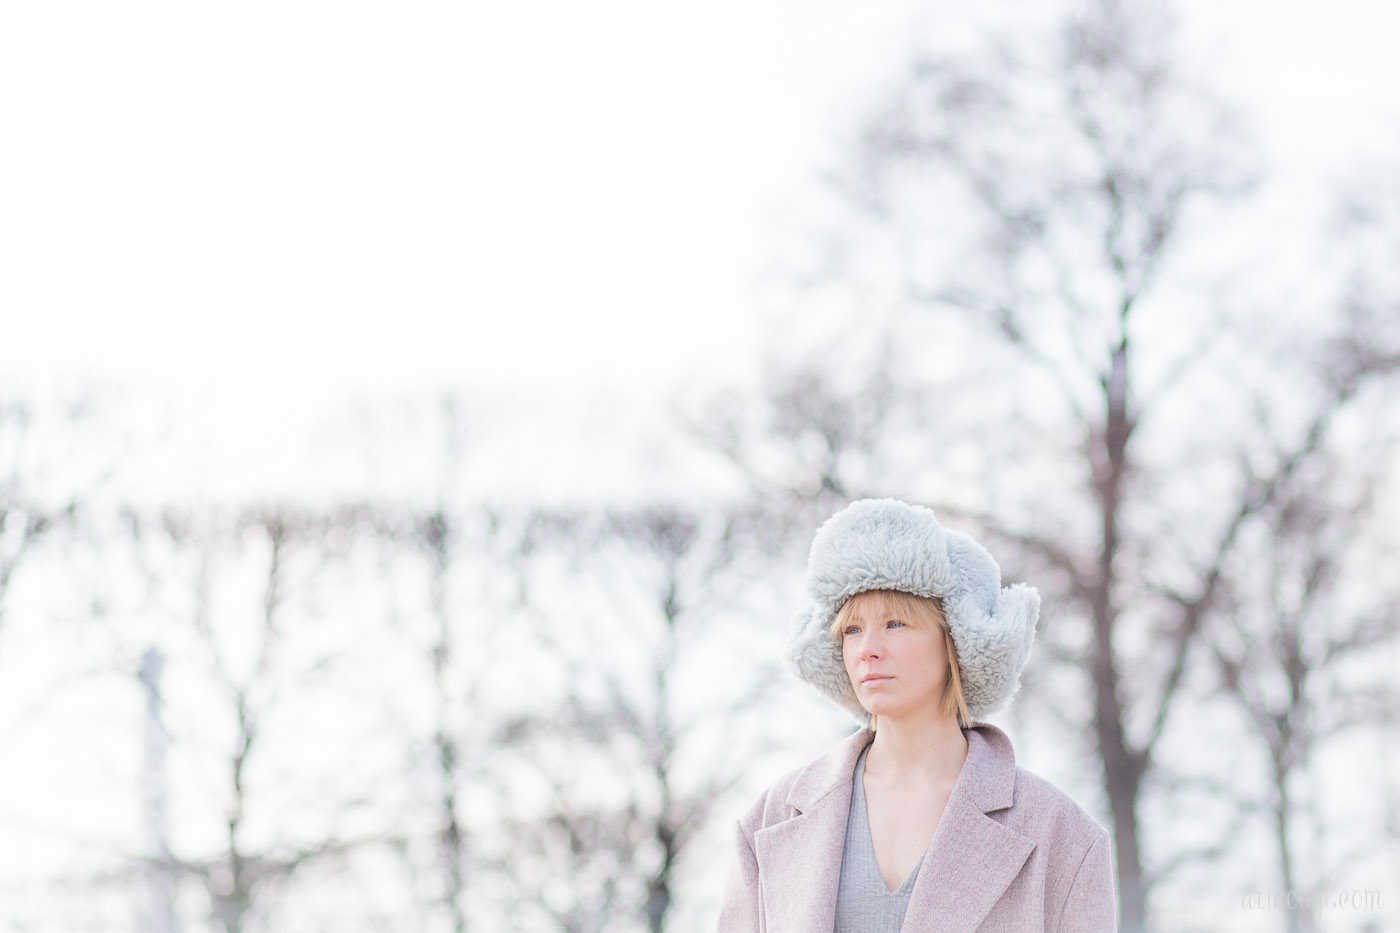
(885, 544)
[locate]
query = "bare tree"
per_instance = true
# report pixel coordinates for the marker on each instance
(246, 628)
(1307, 604)
(452, 573)
(30, 506)
(1286, 644)
(462, 583)
(643, 745)
(814, 441)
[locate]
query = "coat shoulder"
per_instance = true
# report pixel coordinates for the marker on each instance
(1051, 817)
(772, 805)
(801, 788)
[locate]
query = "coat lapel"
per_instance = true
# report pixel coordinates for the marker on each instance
(972, 858)
(799, 859)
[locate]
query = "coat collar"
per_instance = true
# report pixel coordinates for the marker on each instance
(970, 861)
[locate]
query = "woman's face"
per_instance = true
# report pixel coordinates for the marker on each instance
(896, 666)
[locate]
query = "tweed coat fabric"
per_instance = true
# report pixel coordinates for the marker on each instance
(1011, 854)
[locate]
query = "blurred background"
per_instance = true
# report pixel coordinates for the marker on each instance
(413, 419)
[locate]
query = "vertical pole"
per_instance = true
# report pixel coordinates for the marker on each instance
(160, 875)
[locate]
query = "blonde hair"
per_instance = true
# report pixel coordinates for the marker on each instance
(921, 612)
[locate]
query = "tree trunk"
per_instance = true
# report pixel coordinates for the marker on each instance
(452, 838)
(659, 887)
(1123, 767)
(1299, 918)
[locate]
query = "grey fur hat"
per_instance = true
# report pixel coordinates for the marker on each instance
(885, 544)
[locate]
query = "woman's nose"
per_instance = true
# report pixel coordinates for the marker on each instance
(871, 646)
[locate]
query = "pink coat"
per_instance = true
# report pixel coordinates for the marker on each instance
(1011, 854)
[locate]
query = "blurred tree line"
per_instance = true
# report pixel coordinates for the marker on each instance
(447, 712)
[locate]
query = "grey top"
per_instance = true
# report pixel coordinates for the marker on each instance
(863, 903)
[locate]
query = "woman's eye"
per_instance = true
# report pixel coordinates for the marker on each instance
(892, 623)
(852, 630)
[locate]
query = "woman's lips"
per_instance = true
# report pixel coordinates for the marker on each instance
(875, 680)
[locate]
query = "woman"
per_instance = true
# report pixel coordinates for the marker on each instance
(921, 821)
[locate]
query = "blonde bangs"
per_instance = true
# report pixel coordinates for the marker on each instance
(919, 611)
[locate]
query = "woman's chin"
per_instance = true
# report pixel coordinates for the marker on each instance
(881, 707)
(890, 709)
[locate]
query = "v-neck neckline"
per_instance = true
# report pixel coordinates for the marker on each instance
(870, 839)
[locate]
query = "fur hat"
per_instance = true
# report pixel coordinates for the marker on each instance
(884, 544)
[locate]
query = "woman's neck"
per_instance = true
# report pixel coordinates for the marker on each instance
(931, 749)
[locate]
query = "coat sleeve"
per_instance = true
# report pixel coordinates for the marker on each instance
(1092, 904)
(741, 911)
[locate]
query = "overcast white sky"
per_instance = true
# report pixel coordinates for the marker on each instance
(277, 204)
(357, 193)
